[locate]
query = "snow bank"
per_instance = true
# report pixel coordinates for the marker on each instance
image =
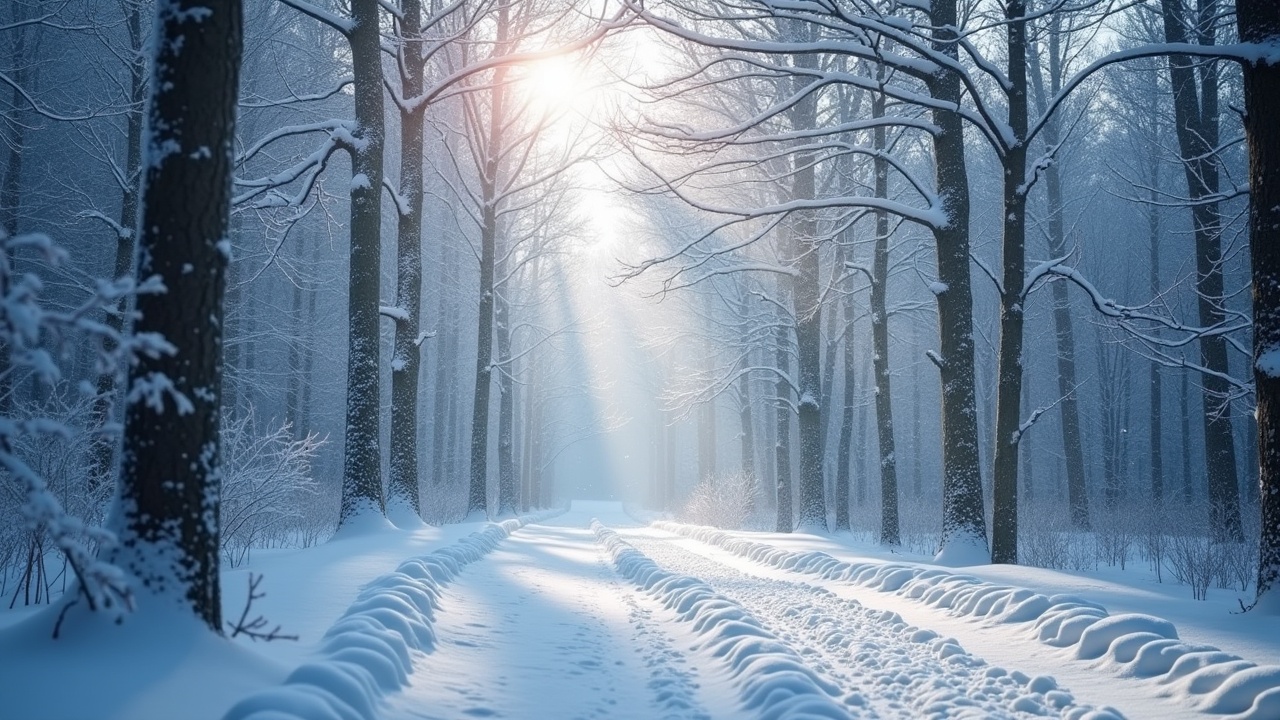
(1130, 645)
(366, 654)
(772, 679)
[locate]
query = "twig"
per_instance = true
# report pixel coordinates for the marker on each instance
(252, 628)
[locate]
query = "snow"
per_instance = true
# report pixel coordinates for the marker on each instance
(591, 614)
(360, 181)
(937, 288)
(1268, 362)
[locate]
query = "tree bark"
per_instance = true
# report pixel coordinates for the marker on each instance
(362, 457)
(843, 476)
(168, 497)
(1197, 131)
(478, 494)
(506, 394)
(1064, 331)
(1004, 535)
(807, 306)
(963, 520)
(782, 448)
(1259, 22)
(103, 452)
(406, 354)
(748, 427)
(880, 340)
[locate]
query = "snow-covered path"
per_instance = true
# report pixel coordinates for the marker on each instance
(885, 667)
(590, 615)
(543, 627)
(550, 625)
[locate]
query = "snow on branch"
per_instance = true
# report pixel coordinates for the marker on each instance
(31, 332)
(398, 314)
(341, 24)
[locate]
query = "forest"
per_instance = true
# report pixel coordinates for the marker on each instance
(952, 283)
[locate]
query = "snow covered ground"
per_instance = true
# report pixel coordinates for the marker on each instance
(569, 618)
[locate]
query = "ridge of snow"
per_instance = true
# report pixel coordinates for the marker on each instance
(1131, 645)
(366, 654)
(772, 679)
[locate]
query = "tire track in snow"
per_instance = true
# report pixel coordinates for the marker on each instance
(543, 629)
(672, 682)
(888, 668)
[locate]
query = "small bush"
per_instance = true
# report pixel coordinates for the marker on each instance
(723, 501)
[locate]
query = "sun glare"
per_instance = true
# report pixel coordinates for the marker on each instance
(555, 81)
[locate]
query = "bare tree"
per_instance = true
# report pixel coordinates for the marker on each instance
(167, 516)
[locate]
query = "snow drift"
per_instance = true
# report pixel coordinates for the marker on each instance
(366, 654)
(1130, 645)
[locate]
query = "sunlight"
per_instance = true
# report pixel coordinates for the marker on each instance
(556, 82)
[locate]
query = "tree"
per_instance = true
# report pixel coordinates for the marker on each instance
(167, 515)
(1259, 26)
(1195, 102)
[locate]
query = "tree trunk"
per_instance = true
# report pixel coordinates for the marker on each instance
(362, 457)
(880, 342)
(406, 354)
(1197, 126)
(11, 185)
(807, 305)
(1188, 490)
(1064, 331)
(748, 429)
(843, 477)
(293, 389)
(478, 494)
(102, 454)
(445, 384)
(782, 448)
(1157, 409)
(963, 520)
(1259, 22)
(1004, 537)
(168, 496)
(506, 395)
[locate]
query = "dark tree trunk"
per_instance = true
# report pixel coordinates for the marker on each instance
(15, 130)
(1196, 116)
(506, 395)
(1064, 331)
(362, 457)
(782, 448)
(748, 428)
(860, 479)
(807, 305)
(166, 517)
(830, 346)
(1188, 489)
(963, 519)
(478, 493)
(1004, 530)
(445, 384)
(1026, 449)
(1259, 22)
(293, 363)
(1157, 409)
(843, 477)
(880, 342)
(103, 451)
(406, 354)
